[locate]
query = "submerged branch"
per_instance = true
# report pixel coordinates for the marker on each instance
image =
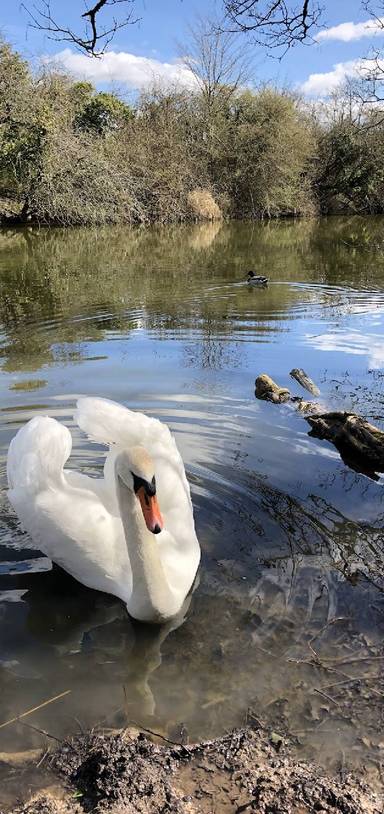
(35, 709)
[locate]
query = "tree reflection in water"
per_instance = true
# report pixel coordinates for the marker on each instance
(291, 584)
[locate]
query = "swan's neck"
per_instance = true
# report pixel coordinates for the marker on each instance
(151, 598)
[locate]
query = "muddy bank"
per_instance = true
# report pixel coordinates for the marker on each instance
(247, 770)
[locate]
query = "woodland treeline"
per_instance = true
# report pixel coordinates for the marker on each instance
(71, 155)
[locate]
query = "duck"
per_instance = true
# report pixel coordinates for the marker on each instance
(130, 533)
(256, 279)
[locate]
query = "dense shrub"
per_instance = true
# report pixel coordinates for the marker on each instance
(70, 155)
(274, 144)
(351, 168)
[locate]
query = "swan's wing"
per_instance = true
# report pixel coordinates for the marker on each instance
(110, 423)
(36, 458)
(74, 528)
(99, 486)
(65, 515)
(37, 454)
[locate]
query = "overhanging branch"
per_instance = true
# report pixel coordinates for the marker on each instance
(273, 23)
(94, 38)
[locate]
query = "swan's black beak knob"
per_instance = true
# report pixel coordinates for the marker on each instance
(157, 529)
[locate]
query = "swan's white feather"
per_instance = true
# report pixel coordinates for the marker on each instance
(74, 519)
(43, 445)
(64, 512)
(109, 423)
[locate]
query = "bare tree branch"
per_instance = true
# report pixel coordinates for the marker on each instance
(371, 71)
(372, 78)
(92, 39)
(375, 8)
(360, 98)
(218, 60)
(273, 23)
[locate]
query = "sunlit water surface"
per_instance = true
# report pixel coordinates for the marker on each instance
(289, 606)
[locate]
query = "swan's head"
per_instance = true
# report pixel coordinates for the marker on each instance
(135, 469)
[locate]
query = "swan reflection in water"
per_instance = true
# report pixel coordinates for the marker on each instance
(104, 656)
(243, 640)
(188, 671)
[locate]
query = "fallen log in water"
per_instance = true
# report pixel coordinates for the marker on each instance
(301, 376)
(360, 444)
(267, 389)
(305, 406)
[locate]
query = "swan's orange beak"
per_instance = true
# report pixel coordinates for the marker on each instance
(151, 511)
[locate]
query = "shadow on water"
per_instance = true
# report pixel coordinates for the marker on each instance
(288, 617)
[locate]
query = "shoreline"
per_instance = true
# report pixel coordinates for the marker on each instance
(249, 769)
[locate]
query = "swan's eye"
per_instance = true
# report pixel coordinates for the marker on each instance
(141, 483)
(151, 487)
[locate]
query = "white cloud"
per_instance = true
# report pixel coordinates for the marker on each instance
(354, 343)
(346, 32)
(128, 69)
(321, 84)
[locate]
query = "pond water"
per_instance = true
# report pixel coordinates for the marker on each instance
(289, 607)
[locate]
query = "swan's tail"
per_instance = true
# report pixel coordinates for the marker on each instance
(37, 454)
(109, 423)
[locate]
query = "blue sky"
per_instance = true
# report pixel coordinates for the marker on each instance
(150, 47)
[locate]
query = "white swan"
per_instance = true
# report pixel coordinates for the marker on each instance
(106, 531)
